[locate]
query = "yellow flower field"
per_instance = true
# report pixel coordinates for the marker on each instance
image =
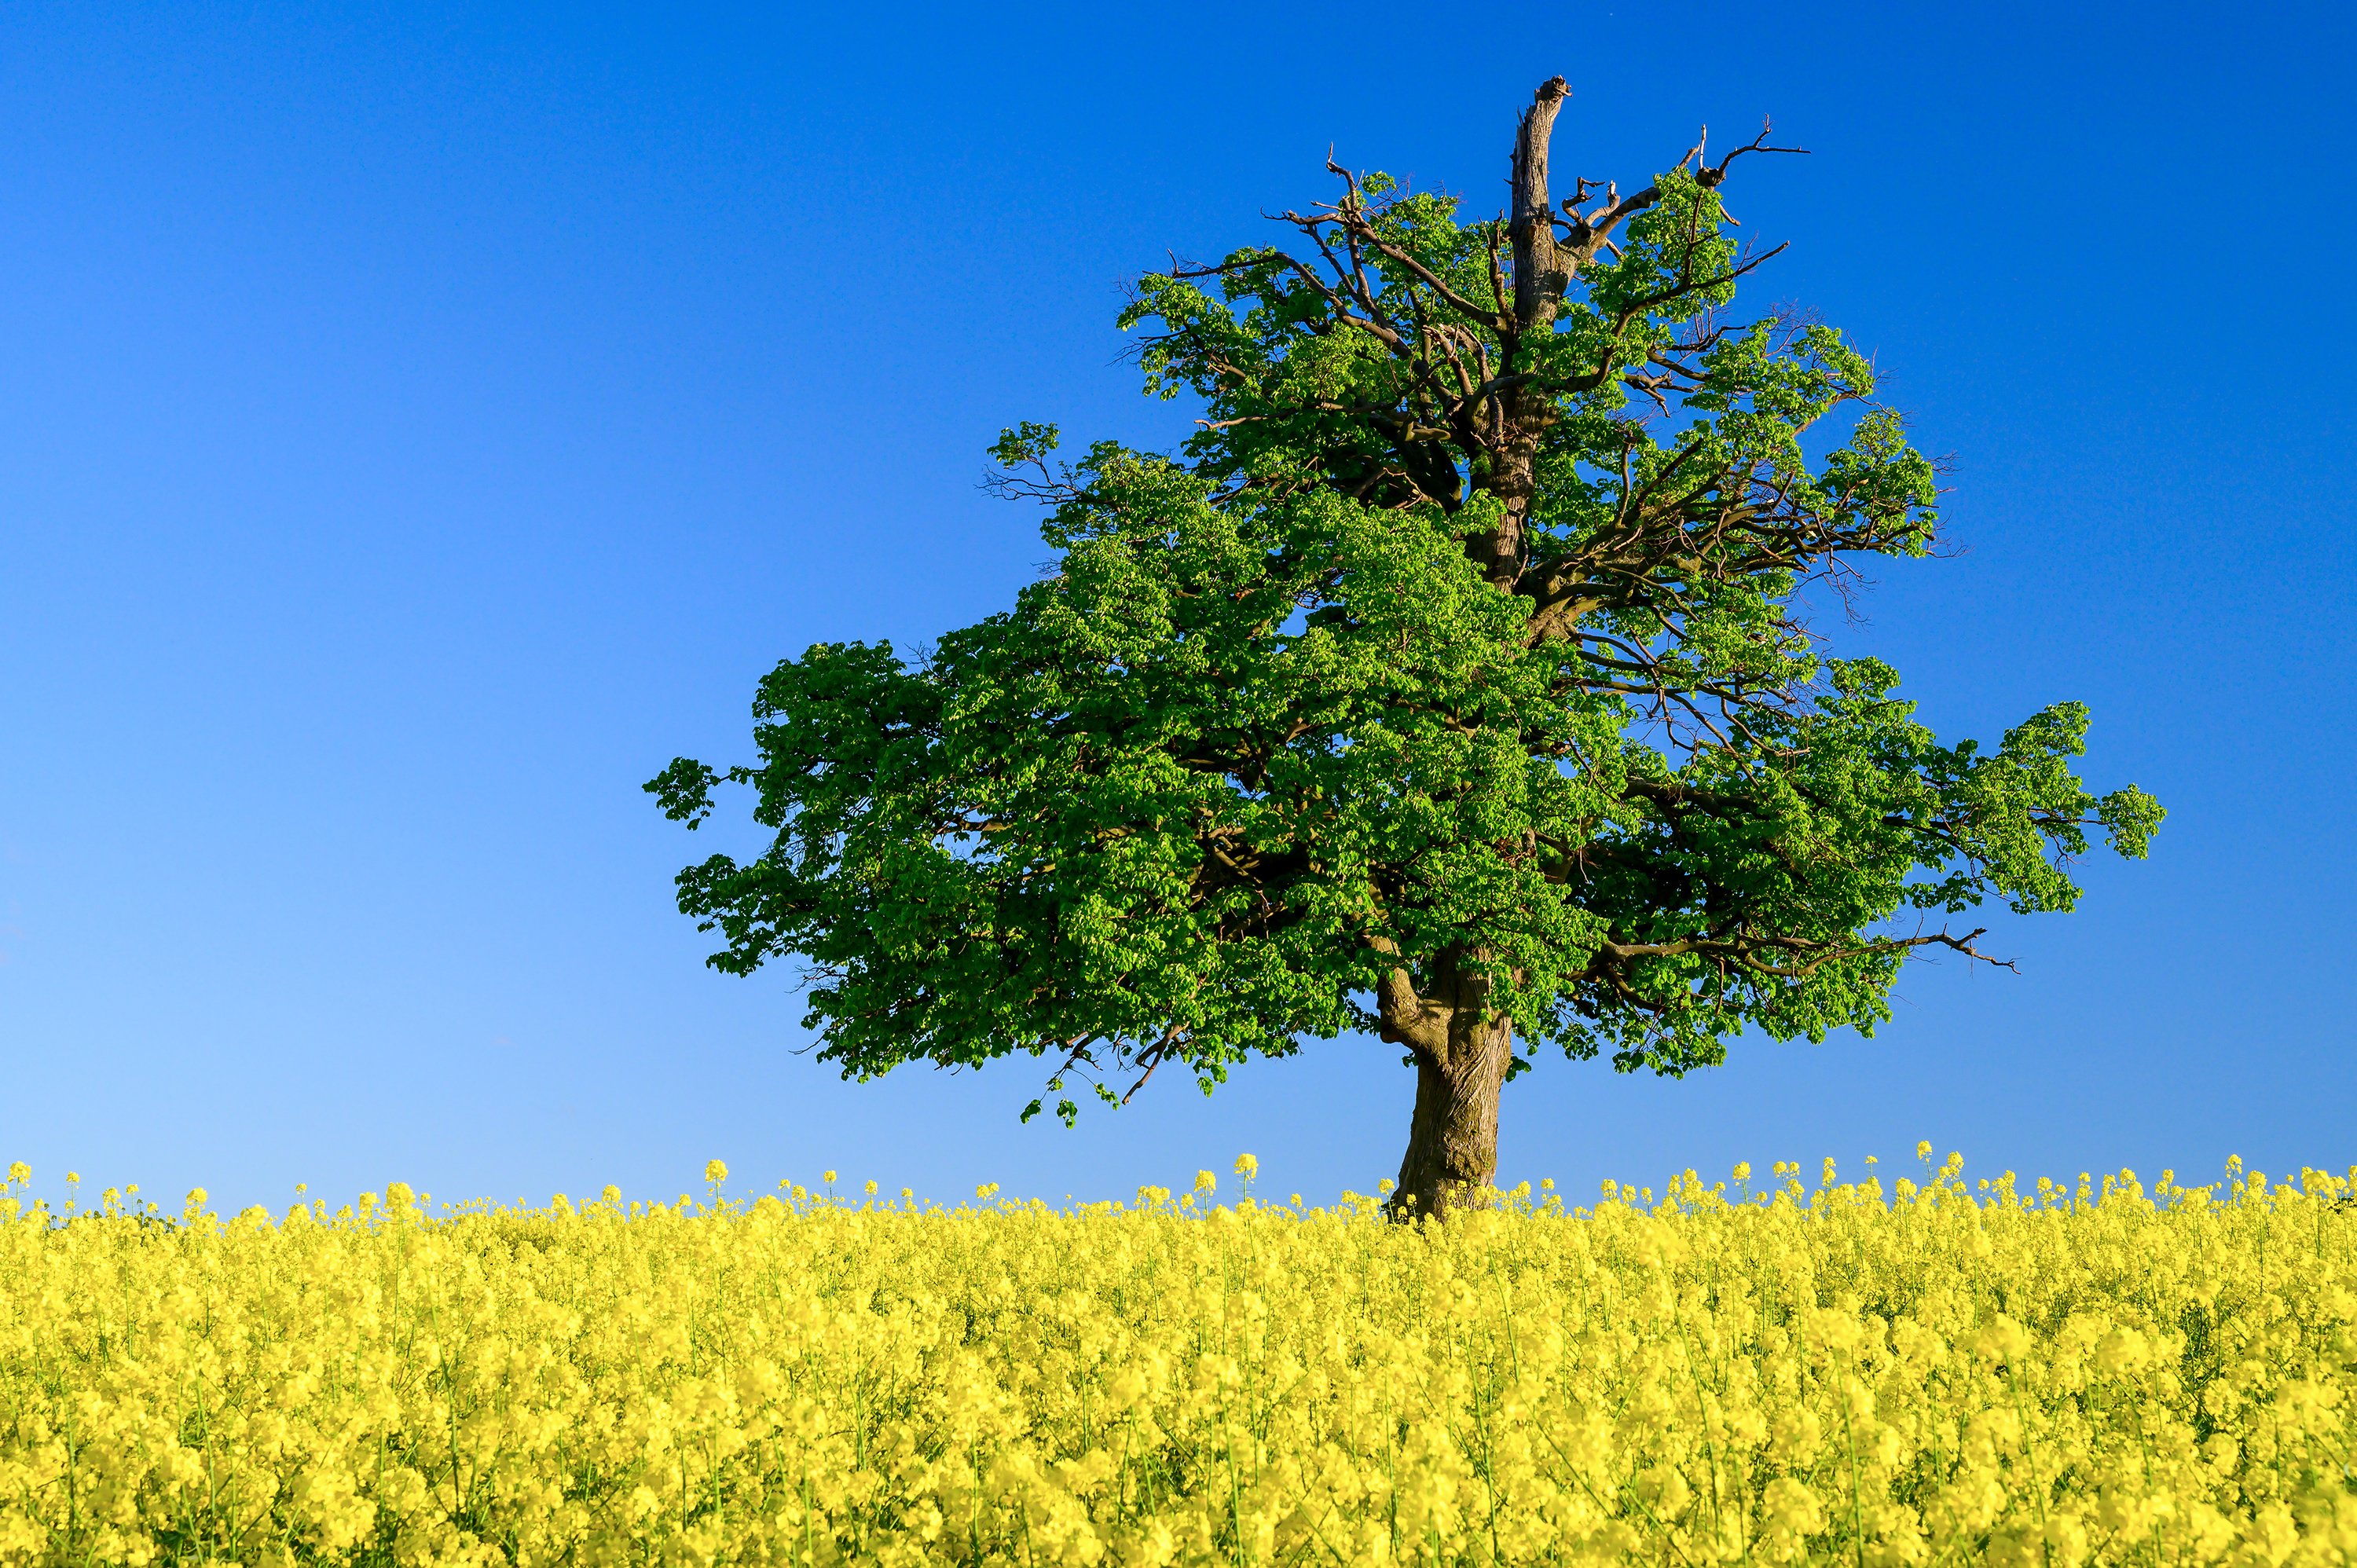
(1863, 1374)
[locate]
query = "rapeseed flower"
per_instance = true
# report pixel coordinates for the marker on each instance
(1842, 1375)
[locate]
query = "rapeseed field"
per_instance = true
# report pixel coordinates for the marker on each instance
(1925, 1372)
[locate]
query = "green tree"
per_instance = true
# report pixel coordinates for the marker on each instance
(1453, 682)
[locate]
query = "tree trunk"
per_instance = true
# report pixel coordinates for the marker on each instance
(1452, 1140)
(1461, 1048)
(1541, 275)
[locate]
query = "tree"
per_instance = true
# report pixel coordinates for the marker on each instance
(1453, 682)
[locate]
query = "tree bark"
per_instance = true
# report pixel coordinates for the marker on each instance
(1452, 1141)
(1461, 1049)
(1541, 275)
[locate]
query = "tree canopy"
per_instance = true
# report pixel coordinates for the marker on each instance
(1458, 680)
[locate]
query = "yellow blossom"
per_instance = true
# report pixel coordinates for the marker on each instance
(1834, 1376)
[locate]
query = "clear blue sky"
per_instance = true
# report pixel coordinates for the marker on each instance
(418, 428)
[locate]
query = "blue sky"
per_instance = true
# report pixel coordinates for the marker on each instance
(417, 427)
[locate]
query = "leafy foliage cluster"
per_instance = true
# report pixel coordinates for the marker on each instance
(1461, 640)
